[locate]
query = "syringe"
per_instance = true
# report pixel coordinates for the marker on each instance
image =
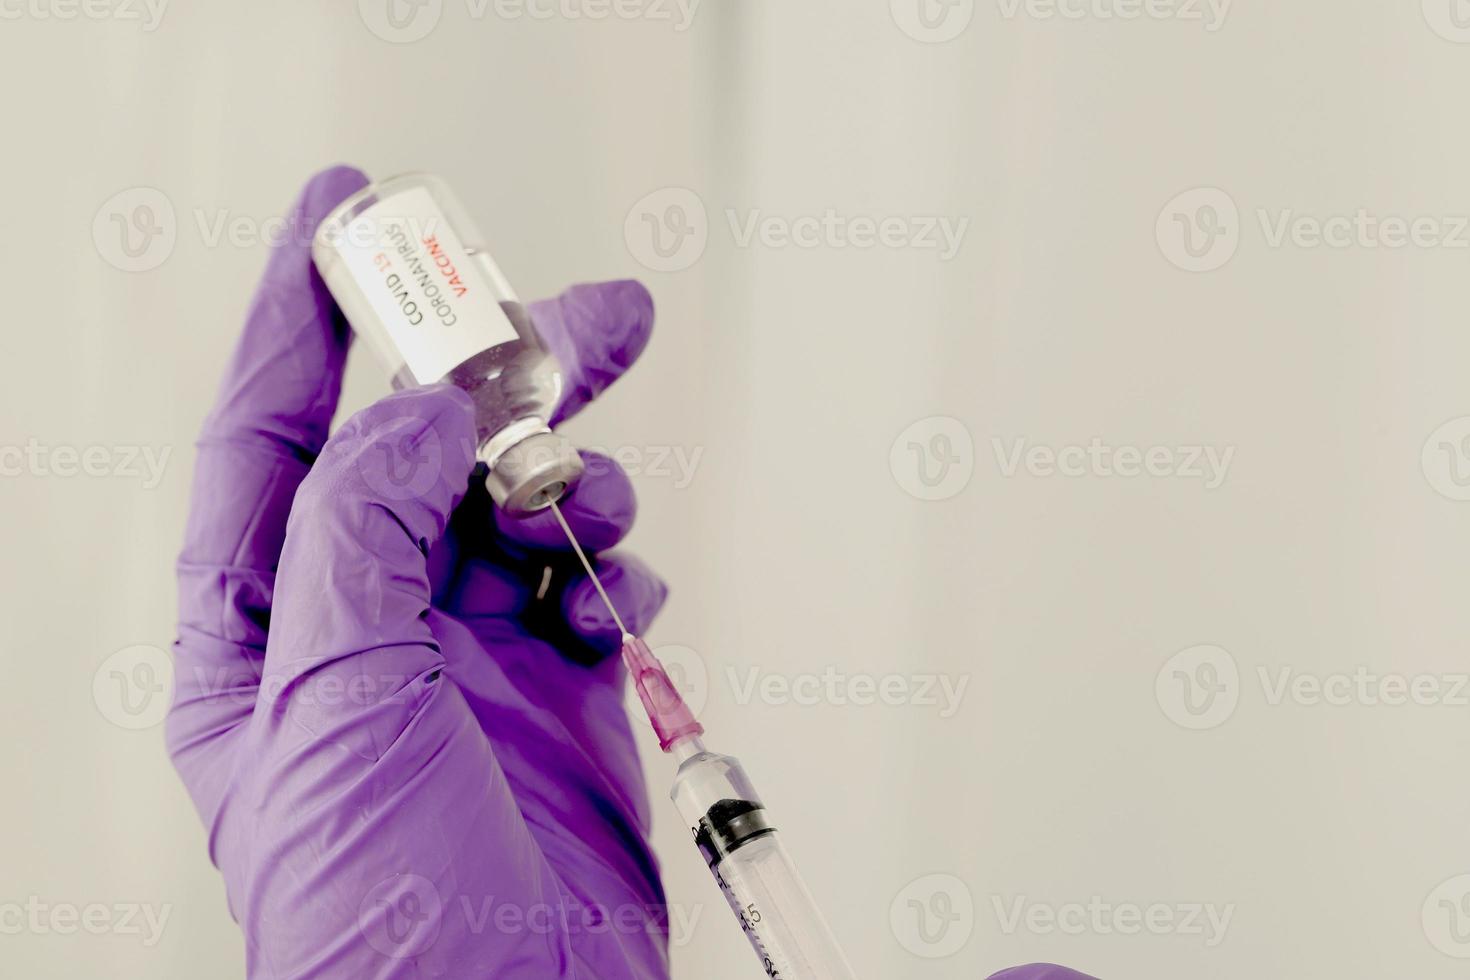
(730, 825)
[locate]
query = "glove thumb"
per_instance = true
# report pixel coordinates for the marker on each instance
(350, 648)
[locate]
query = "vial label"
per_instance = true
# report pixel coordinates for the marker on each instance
(423, 284)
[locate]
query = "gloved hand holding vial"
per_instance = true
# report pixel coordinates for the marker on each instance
(395, 706)
(415, 280)
(412, 274)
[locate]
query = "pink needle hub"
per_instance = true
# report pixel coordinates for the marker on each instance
(671, 717)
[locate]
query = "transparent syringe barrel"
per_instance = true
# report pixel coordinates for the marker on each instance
(752, 868)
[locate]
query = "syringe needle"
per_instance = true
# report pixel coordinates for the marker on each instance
(596, 582)
(671, 718)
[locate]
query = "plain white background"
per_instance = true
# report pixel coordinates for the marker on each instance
(1123, 741)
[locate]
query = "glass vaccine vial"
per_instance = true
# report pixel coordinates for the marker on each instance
(412, 274)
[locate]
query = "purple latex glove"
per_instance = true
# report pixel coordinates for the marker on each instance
(1040, 971)
(411, 753)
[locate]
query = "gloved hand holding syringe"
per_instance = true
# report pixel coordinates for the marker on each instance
(407, 740)
(730, 824)
(410, 271)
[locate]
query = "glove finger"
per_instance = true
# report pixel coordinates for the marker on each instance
(596, 331)
(636, 592)
(530, 558)
(276, 400)
(281, 386)
(487, 564)
(600, 510)
(274, 407)
(366, 758)
(526, 570)
(354, 590)
(1039, 971)
(273, 411)
(558, 602)
(485, 588)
